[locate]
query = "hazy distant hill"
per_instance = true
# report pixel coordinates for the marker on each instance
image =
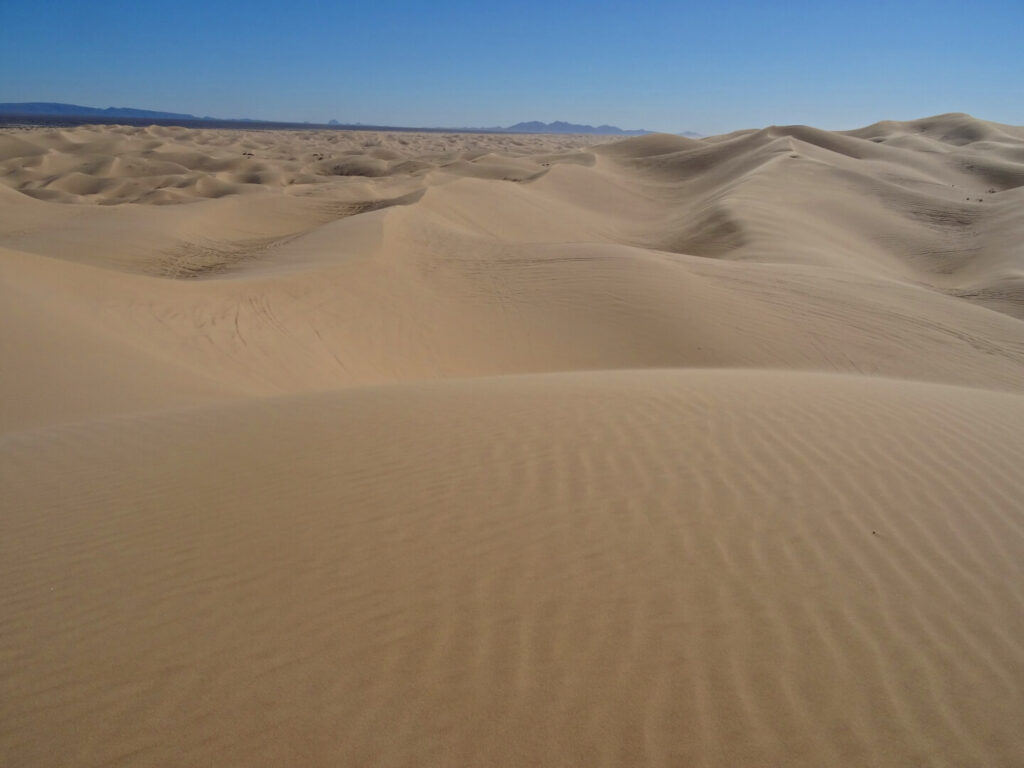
(76, 110)
(559, 126)
(58, 110)
(535, 126)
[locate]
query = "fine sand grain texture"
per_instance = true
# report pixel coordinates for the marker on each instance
(328, 448)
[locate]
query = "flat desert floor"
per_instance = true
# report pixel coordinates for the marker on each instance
(356, 449)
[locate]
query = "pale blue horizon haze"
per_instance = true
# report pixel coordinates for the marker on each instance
(710, 68)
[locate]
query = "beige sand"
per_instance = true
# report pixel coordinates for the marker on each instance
(448, 450)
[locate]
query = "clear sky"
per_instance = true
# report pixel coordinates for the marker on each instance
(710, 67)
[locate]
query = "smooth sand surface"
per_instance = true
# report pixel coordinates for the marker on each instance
(325, 448)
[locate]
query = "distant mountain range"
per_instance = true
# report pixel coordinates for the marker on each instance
(58, 110)
(535, 126)
(53, 109)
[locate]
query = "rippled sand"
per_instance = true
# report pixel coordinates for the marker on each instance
(332, 448)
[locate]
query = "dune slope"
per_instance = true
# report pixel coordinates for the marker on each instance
(401, 449)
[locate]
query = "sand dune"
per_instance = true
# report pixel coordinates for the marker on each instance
(436, 449)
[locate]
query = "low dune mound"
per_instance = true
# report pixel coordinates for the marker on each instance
(173, 164)
(651, 145)
(446, 449)
(15, 147)
(360, 165)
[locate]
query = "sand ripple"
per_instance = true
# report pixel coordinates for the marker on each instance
(451, 450)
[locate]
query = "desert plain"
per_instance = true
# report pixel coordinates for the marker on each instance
(331, 448)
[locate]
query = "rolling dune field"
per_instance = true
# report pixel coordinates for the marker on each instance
(424, 449)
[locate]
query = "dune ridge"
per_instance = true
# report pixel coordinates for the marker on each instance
(401, 449)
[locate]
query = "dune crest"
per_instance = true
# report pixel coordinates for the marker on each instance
(448, 449)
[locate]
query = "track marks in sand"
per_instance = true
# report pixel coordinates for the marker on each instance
(196, 259)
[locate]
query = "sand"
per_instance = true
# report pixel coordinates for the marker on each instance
(327, 448)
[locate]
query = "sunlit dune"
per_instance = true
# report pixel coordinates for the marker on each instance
(424, 449)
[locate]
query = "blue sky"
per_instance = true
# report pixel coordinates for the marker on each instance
(709, 67)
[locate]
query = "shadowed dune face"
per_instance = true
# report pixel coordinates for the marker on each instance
(928, 200)
(430, 449)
